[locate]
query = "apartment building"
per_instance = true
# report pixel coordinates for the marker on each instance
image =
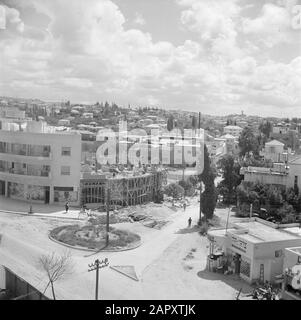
(39, 164)
(287, 175)
(233, 130)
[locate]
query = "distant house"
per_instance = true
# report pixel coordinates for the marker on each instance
(233, 130)
(64, 122)
(274, 151)
(286, 175)
(75, 112)
(88, 115)
(281, 128)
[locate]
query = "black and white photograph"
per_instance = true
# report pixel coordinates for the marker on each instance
(150, 151)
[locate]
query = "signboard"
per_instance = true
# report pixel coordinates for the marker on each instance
(239, 244)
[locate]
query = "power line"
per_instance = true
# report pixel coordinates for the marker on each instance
(96, 266)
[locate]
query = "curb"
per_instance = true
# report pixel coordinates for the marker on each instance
(93, 250)
(39, 215)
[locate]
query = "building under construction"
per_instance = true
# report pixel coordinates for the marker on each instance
(125, 189)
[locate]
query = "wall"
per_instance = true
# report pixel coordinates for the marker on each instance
(265, 253)
(290, 258)
(294, 170)
(2, 278)
(279, 179)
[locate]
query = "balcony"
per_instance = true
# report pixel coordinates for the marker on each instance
(38, 160)
(24, 172)
(25, 150)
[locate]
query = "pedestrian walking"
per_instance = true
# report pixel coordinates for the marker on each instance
(67, 207)
(184, 206)
(189, 222)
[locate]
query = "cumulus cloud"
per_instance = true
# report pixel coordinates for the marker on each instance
(273, 26)
(85, 53)
(12, 19)
(139, 20)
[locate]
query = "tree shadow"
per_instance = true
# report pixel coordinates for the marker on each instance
(188, 230)
(232, 280)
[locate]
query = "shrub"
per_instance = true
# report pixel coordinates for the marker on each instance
(204, 229)
(174, 190)
(187, 186)
(287, 213)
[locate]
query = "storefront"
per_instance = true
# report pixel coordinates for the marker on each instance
(252, 249)
(291, 285)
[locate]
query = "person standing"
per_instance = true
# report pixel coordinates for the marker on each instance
(184, 206)
(67, 206)
(189, 222)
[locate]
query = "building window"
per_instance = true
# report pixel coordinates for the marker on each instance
(66, 151)
(65, 171)
(278, 253)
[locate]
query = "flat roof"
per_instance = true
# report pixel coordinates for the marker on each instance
(295, 250)
(296, 231)
(259, 232)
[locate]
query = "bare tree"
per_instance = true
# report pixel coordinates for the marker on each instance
(56, 267)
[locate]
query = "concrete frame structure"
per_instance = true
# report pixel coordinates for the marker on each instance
(124, 191)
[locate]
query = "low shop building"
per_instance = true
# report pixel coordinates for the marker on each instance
(291, 288)
(253, 249)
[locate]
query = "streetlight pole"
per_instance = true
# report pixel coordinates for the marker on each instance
(96, 266)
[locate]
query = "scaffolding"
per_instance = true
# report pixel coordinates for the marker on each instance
(124, 191)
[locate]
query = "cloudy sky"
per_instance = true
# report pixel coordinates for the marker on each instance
(213, 56)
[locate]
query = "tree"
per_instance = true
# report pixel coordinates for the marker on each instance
(209, 196)
(266, 128)
(287, 213)
(231, 178)
(194, 180)
(252, 162)
(248, 142)
(174, 190)
(187, 186)
(56, 268)
(170, 123)
(194, 122)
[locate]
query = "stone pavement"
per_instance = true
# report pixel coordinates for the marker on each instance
(50, 211)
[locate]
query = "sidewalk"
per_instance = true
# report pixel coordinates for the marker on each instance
(50, 211)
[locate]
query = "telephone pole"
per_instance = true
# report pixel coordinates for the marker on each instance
(96, 266)
(200, 180)
(108, 215)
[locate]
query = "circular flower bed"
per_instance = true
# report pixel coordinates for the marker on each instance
(93, 237)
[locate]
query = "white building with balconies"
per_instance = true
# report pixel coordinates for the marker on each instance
(39, 164)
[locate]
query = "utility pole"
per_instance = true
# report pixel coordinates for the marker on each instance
(96, 266)
(108, 215)
(228, 219)
(95, 163)
(200, 180)
(251, 210)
